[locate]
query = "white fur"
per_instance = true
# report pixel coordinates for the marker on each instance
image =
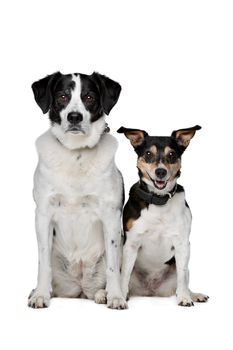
(78, 192)
(155, 237)
(91, 132)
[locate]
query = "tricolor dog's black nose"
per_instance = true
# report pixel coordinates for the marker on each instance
(74, 117)
(160, 172)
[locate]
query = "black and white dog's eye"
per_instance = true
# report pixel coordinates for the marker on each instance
(148, 153)
(62, 99)
(89, 98)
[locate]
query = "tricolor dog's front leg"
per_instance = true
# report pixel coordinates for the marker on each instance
(40, 296)
(112, 237)
(182, 254)
(130, 251)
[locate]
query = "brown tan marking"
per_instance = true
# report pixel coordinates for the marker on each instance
(153, 149)
(129, 224)
(167, 150)
(174, 167)
(145, 167)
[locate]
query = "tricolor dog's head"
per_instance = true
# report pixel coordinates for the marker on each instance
(159, 157)
(77, 105)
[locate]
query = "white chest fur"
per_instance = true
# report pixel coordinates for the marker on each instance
(155, 230)
(73, 173)
(72, 187)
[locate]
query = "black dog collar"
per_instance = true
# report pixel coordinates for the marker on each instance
(153, 198)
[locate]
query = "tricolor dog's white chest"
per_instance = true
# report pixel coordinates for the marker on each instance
(154, 231)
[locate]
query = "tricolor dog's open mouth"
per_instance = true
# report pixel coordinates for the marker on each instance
(159, 184)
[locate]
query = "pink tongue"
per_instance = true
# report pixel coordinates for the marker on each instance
(160, 183)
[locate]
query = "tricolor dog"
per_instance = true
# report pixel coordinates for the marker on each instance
(78, 192)
(157, 220)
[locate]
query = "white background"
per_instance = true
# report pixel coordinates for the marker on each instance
(174, 60)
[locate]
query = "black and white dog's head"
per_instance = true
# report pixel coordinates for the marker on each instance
(159, 157)
(77, 105)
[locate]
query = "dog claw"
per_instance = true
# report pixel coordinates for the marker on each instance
(117, 304)
(199, 298)
(187, 304)
(38, 300)
(185, 301)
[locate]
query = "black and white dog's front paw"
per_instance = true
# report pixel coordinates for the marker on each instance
(118, 303)
(101, 296)
(38, 299)
(185, 300)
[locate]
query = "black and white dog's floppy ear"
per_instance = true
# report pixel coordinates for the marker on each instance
(109, 91)
(183, 136)
(136, 136)
(42, 91)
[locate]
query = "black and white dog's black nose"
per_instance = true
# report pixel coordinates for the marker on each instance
(74, 117)
(160, 172)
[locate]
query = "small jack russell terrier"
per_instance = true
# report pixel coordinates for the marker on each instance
(157, 220)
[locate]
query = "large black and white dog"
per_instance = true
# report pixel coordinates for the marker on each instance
(78, 192)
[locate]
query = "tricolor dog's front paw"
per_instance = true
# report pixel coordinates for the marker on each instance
(199, 297)
(184, 301)
(38, 299)
(117, 303)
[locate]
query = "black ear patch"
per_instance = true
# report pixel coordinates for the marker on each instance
(42, 91)
(109, 91)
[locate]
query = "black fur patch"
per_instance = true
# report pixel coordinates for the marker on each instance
(63, 86)
(170, 262)
(160, 142)
(99, 94)
(133, 207)
(135, 204)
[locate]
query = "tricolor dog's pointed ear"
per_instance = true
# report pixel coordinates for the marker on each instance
(42, 91)
(136, 136)
(109, 91)
(183, 136)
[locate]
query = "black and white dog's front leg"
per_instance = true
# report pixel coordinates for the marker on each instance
(112, 237)
(40, 296)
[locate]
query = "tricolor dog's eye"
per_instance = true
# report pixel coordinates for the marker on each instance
(171, 157)
(148, 156)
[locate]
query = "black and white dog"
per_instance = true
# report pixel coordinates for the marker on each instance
(157, 220)
(78, 192)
